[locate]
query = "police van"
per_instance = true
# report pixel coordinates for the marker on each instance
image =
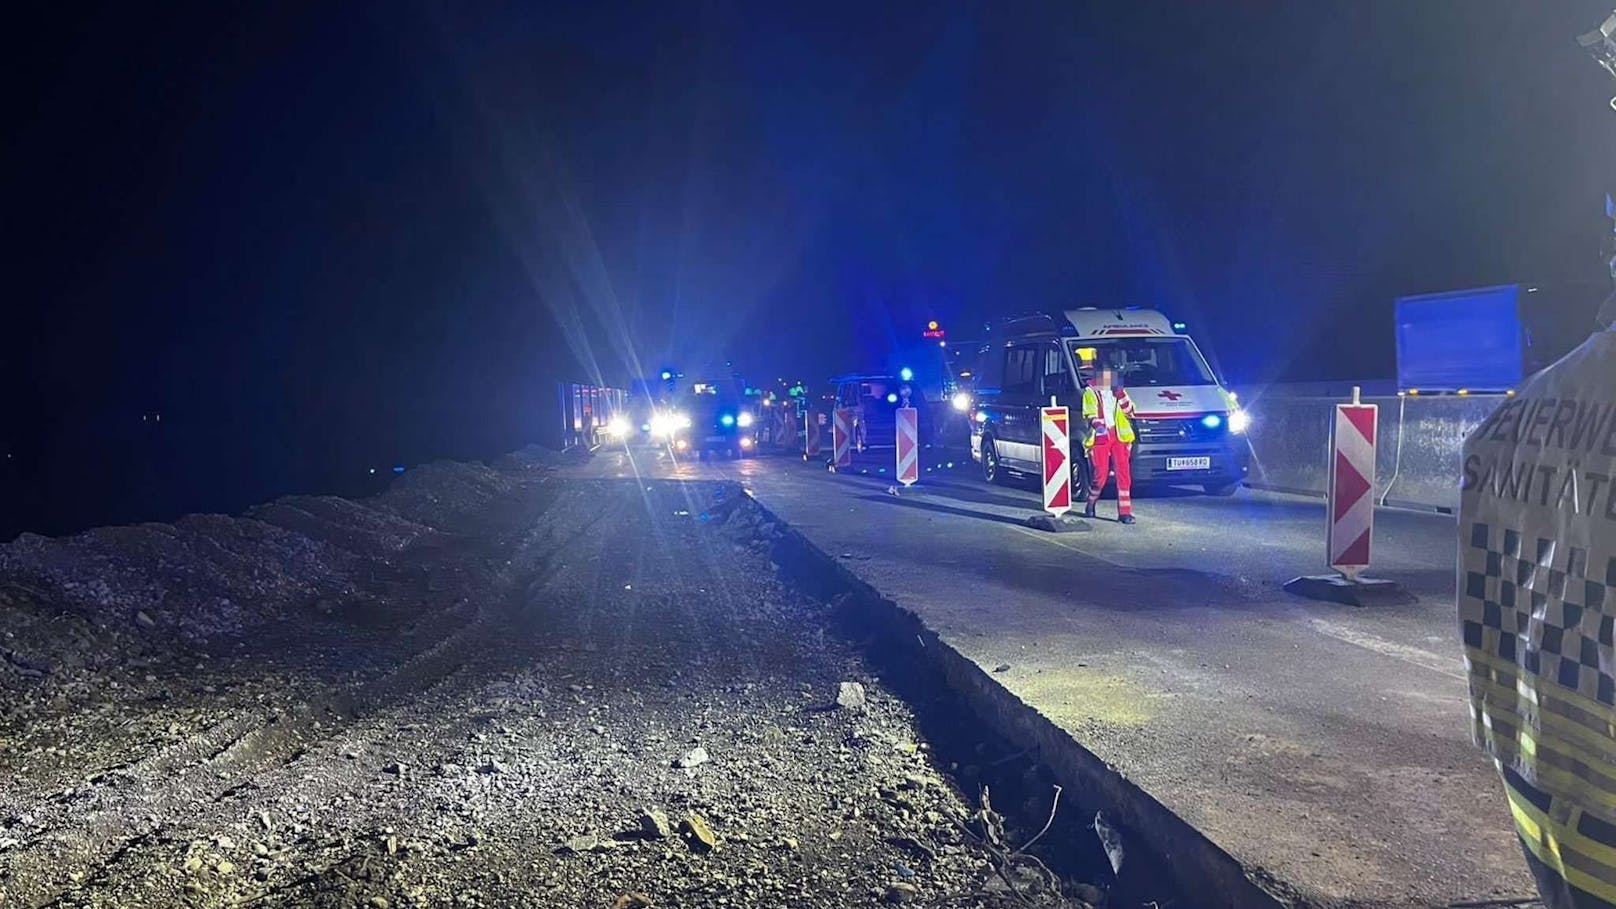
(1190, 430)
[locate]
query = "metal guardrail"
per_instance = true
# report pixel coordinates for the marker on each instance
(1417, 453)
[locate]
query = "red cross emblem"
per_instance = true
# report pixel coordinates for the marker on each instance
(1169, 395)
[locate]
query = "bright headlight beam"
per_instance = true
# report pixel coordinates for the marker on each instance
(1239, 421)
(961, 401)
(744, 420)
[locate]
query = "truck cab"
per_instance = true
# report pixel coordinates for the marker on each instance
(1190, 428)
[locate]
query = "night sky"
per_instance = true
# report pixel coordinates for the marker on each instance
(319, 240)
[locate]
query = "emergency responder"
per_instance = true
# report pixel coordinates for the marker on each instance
(1108, 413)
(1537, 579)
(1087, 371)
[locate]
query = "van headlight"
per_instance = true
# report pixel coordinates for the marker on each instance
(961, 401)
(617, 426)
(666, 424)
(1239, 420)
(744, 420)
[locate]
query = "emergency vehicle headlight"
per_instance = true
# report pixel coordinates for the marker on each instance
(744, 420)
(746, 441)
(617, 426)
(961, 401)
(1211, 421)
(727, 419)
(906, 374)
(892, 397)
(1239, 420)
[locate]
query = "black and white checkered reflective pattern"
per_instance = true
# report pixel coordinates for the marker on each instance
(1540, 605)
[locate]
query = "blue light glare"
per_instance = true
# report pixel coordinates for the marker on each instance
(1211, 421)
(398, 469)
(727, 419)
(906, 374)
(892, 398)
(666, 375)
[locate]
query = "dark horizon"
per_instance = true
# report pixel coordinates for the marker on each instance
(321, 241)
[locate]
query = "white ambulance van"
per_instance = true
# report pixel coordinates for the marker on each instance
(1190, 428)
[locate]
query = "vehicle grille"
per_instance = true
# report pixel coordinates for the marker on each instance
(1179, 429)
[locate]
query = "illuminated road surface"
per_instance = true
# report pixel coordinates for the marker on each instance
(1322, 743)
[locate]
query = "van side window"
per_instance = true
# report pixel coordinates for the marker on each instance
(1057, 379)
(1021, 364)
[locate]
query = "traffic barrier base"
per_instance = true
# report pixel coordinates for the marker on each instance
(1361, 591)
(1065, 523)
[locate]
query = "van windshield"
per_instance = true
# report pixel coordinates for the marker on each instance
(1144, 361)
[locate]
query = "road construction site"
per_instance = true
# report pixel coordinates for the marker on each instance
(494, 686)
(634, 679)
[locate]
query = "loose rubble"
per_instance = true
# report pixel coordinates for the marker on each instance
(487, 687)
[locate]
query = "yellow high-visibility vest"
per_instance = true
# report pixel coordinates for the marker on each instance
(1091, 412)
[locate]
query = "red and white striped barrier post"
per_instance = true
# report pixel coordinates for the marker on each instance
(1055, 453)
(1057, 443)
(841, 437)
(908, 424)
(1349, 513)
(812, 420)
(1352, 486)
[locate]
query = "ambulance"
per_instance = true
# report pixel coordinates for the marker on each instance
(1190, 428)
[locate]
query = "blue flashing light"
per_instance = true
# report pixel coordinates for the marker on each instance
(1179, 326)
(398, 469)
(727, 419)
(1211, 421)
(667, 374)
(892, 398)
(906, 374)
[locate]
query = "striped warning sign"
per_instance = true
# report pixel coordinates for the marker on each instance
(841, 436)
(1352, 487)
(908, 446)
(812, 420)
(1057, 460)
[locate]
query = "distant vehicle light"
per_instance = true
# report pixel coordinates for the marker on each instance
(892, 397)
(1211, 421)
(961, 401)
(1179, 326)
(981, 416)
(681, 444)
(666, 375)
(398, 469)
(932, 325)
(746, 441)
(727, 419)
(906, 374)
(618, 426)
(666, 424)
(1239, 420)
(744, 420)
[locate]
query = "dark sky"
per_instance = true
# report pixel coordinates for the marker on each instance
(317, 237)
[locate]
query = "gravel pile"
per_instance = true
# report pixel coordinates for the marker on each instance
(486, 687)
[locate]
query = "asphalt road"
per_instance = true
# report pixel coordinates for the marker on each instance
(1323, 744)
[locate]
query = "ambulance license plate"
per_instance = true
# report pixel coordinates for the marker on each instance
(1189, 463)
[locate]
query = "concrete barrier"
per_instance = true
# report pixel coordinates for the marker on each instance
(1417, 452)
